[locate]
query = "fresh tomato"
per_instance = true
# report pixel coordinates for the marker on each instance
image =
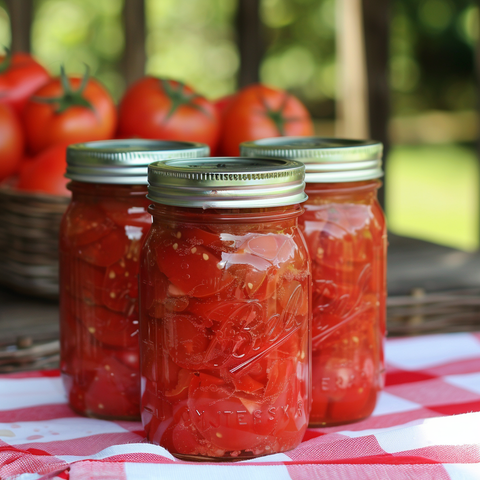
(222, 104)
(45, 172)
(69, 110)
(167, 110)
(20, 77)
(12, 142)
(258, 112)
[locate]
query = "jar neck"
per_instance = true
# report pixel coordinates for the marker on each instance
(345, 191)
(106, 190)
(231, 215)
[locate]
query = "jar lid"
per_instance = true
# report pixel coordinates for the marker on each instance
(327, 160)
(124, 161)
(227, 182)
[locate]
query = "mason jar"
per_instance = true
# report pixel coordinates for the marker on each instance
(225, 284)
(345, 230)
(101, 235)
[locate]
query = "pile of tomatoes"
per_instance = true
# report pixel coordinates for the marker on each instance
(41, 115)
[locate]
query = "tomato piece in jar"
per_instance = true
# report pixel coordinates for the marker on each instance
(195, 271)
(106, 250)
(228, 331)
(109, 327)
(86, 223)
(344, 227)
(127, 213)
(120, 286)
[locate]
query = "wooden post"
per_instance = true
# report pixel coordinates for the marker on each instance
(249, 40)
(477, 143)
(376, 26)
(134, 57)
(20, 12)
(352, 105)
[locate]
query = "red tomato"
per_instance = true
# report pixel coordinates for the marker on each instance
(69, 110)
(20, 77)
(45, 173)
(223, 103)
(167, 110)
(11, 142)
(259, 111)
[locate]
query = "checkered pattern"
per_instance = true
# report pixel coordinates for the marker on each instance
(426, 426)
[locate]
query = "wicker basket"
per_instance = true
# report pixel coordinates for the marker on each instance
(29, 229)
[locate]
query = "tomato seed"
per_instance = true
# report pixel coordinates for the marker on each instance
(205, 256)
(175, 246)
(179, 234)
(194, 249)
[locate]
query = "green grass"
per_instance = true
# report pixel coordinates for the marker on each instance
(433, 194)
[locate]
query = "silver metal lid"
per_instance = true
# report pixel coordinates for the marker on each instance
(124, 161)
(327, 160)
(227, 182)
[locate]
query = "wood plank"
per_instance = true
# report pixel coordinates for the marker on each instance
(376, 27)
(21, 13)
(249, 41)
(134, 56)
(352, 104)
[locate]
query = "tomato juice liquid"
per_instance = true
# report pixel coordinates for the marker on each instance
(345, 231)
(224, 316)
(102, 233)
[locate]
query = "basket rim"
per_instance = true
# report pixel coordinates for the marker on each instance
(7, 188)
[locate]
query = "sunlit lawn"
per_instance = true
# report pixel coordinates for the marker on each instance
(433, 194)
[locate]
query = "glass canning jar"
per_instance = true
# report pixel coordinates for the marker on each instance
(101, 235)
(345, 230)
(225, 284)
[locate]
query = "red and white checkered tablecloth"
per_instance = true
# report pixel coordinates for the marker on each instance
(426, 426)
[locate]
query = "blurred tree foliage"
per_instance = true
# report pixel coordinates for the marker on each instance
(432, 55)
(432, 47)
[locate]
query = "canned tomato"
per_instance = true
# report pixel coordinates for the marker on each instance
(344, 227)
(225, 281)
(101, 235)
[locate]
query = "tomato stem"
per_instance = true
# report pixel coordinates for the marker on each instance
(70, 97)
(7, 60)
(179, 97)
(277, 116)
